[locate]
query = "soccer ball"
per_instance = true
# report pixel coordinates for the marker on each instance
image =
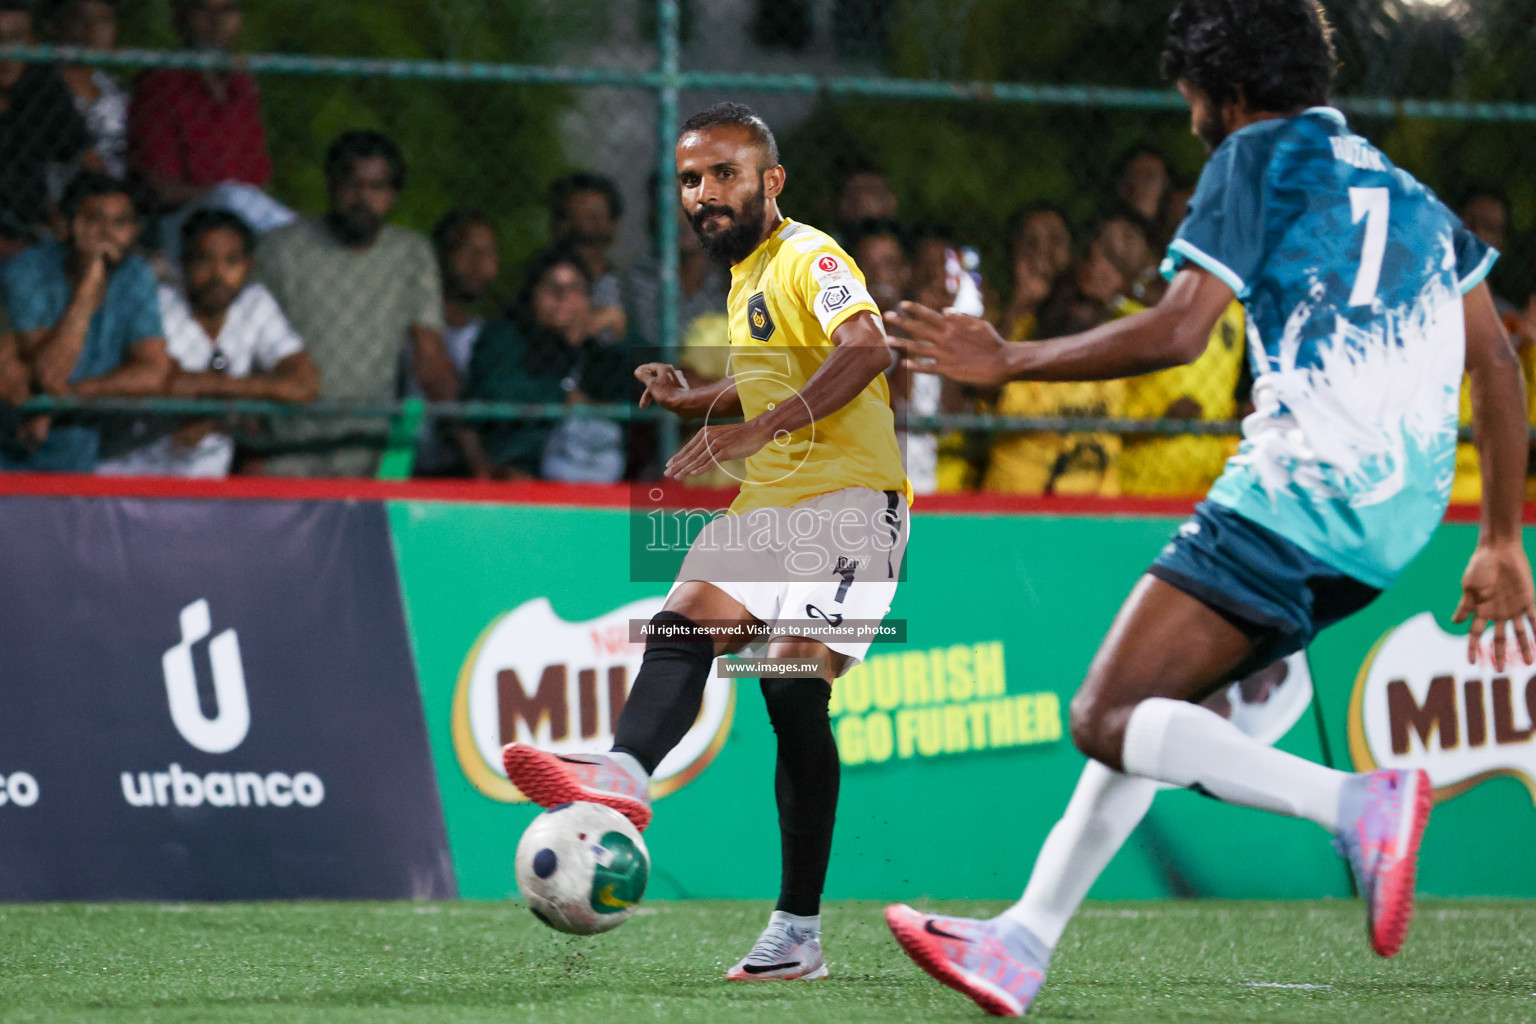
(582, 867)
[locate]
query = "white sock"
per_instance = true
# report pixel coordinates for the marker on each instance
(632, 766)
(800, 923)
(1105, 808)
(1187, 745)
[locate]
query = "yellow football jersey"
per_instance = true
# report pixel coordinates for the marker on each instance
(786, 300)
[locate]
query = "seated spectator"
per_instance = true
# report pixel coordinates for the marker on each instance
(547, 352)
(866, 194)
(39, 127)
(1175, 209)
(701, 285)
(880, 249)
(1520, 321)
(229, 339)
(1141, 180)
(1092, 292)
(15, 381)
(1127, 238)
(1039, 251)
(585, 209)
(1485, 213)
(359, 291)
(191, 129)
(15, 387)
(87, 321)
(940, 280)
(469, 261)
(100, 100)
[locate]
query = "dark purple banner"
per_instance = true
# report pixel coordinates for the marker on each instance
(209, 700)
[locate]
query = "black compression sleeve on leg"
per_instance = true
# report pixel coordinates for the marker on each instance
(665, 700)
(805, 784)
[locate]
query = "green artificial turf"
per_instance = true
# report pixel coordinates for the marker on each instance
(380, 963)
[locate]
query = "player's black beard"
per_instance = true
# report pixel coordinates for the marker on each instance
(731, 245)
(1211, 130)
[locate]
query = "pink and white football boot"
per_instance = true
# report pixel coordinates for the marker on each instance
(552, 779)
(998, 963)
(1381, 821)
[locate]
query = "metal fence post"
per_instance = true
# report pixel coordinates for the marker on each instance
(666, 195)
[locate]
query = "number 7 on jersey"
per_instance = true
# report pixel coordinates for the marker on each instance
(1374, 205)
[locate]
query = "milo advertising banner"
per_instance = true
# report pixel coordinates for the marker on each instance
(956, 758)
(303, 696)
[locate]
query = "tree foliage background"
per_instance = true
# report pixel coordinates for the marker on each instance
(489, 146)
(966, 163)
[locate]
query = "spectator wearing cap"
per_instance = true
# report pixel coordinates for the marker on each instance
(364, 295)
(228, 338)
(87, 320)
(39, 127)
(190, 129)
(585, 209)
(101, 102)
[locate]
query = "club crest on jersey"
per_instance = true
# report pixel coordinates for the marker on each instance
(759, 323)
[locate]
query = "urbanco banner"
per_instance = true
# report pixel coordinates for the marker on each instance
(209, 700)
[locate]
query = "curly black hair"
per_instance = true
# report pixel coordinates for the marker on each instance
(1278, 55)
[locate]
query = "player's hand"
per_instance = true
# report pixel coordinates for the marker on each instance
(666, 387)
(713, 444)
(963, 348)
(1496, 589)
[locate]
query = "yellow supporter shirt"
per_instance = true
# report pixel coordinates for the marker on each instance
(1043, 463)
(1468, 484)
(1189, 464)
(786, 300)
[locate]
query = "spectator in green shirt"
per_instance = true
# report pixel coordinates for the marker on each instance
(548, 350)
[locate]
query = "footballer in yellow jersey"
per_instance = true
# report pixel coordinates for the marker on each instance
(807, 562)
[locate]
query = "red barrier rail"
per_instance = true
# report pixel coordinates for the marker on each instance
(584, 495)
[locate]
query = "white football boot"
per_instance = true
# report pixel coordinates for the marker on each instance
(786, 951)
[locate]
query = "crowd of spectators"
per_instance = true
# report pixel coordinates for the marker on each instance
(142, 253)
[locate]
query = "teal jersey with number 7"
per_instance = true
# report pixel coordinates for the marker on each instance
(1351, 273)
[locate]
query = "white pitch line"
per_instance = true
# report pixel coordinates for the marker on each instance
(1280, 984)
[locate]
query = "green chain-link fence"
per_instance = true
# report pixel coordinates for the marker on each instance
(1023, 153)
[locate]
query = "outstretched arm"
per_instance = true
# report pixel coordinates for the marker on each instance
(859, 356)
(666, 386)
(1496, 588)
(970, 351)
